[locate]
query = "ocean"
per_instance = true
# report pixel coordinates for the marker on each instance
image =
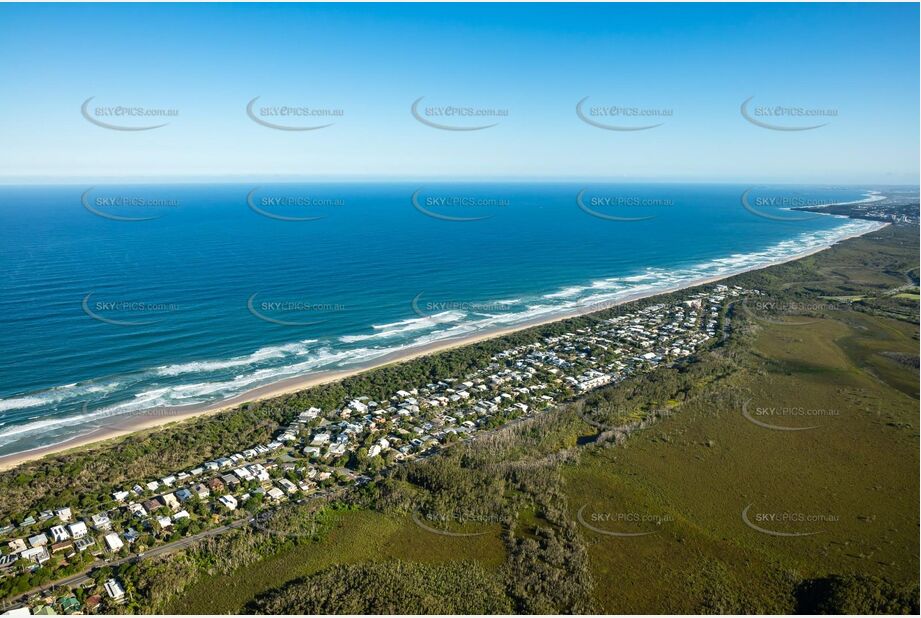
(118, 299)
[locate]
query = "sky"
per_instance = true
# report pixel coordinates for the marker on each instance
(854, 68)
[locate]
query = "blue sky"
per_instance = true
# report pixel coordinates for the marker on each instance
(700, 62)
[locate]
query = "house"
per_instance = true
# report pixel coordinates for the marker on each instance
(120, 496)
(311, 451)
(69, 605)
(101, 522)
(92, 603)
(201, 491)
(64, 514)
(309, 414)
(85, 543)
(16, 546)
(78, 530)
(113, 542)
(229, 501)
(39, 540)
(59, 533)
(137, 510)
(171, 501)
(131, 535)
(275, 494)
(169, 481)
(164, 522)
(63, 546)
(153, 504)
(320, 439)
(38, 555)
(183, 495)
(114, 590)
(259, 471)
(181, 515)
(243, 474)
(287, 485)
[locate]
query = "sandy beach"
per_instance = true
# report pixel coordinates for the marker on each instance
(152, 419)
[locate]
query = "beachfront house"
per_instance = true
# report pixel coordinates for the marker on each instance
(114, 590)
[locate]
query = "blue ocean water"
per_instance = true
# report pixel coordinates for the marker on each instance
(117, 299)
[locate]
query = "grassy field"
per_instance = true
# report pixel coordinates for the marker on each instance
(356, 536)
(703, 466)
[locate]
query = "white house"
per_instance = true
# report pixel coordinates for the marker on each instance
(59, 533)
(114, 589)
(113, 541)
(102, 522)
(78, 530)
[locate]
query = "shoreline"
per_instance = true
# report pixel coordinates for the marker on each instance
(156, 418)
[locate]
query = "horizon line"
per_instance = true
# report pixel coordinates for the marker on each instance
(290, 178)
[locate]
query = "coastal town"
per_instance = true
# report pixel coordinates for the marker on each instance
(322, 451)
